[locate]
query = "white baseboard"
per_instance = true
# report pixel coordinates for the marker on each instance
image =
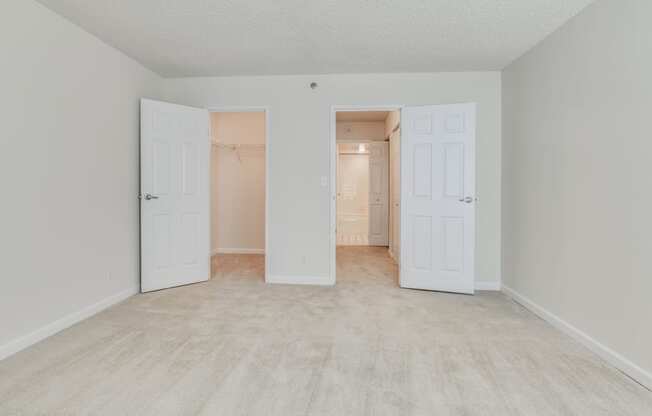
(495, 286)
(610, 356)
(238, 251)
(300, 280)
(19, 344)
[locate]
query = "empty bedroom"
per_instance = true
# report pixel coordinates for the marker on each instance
(217, 207)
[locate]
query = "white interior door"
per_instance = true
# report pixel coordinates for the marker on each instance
(378, 194)
(175, 228)
(353, 199)
(438, 198)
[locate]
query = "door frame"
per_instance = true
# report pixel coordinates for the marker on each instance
(268, 140)
(333, 173)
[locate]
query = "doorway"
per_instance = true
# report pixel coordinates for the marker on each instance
(353, 194)
(186, 197)
(430, 222)
(365, 184)
(238, 191)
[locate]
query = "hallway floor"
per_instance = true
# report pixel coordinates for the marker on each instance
(236, 346)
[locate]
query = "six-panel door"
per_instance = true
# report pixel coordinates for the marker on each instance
(175, 151)
(438, 193)
(378, 194)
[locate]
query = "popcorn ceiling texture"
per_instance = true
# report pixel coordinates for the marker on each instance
(259, 37)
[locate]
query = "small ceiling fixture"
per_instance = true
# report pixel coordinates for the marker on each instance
(361, 148)
(313, 85)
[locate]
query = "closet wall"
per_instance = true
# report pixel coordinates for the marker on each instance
(238, 183)
(360, 130)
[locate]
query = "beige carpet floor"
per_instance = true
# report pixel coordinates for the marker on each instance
(236, 346)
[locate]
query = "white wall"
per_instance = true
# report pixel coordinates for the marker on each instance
(360, 130)
(238, 183)
(68, 172)
(299, 156)
(577, 152)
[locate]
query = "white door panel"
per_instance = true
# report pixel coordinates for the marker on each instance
(378, 194)
(353, 199)
(438, 198)
(175, 151)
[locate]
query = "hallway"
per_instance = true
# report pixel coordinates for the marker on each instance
(365, 265)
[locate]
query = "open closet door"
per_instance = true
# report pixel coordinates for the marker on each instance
(438, 198)
(174, 204)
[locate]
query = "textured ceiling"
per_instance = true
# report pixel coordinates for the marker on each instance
(247, 37)
(361, 115)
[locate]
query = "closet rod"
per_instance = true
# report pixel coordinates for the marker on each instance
(234, 146)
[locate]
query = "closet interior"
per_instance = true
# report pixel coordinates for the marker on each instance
(238, 186)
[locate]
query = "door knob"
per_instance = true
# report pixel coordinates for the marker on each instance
(468, 199)
(149, 197)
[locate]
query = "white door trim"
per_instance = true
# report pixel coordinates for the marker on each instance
(268, 141)
(333, 174)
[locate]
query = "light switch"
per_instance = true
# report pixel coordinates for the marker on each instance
(324, 181)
